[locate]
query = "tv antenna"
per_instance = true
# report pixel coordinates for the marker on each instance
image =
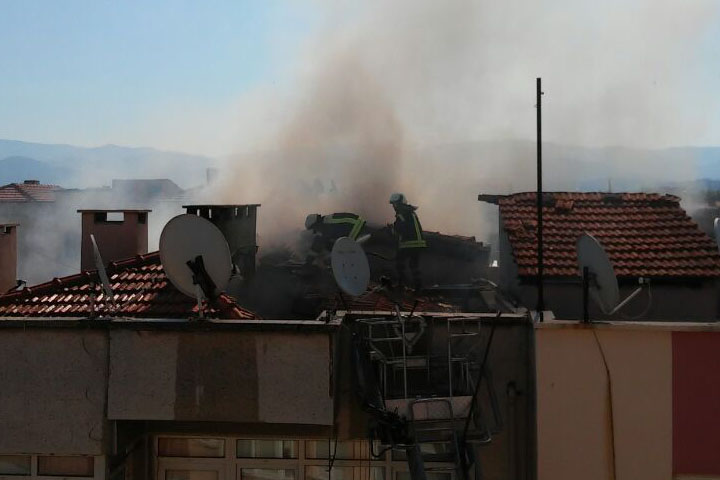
(599, 279)
(196, 257)
(102, 273)
(350, 266)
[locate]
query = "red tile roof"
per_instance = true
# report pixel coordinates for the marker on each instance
(644, 234)
(140, 289)
(28, 192)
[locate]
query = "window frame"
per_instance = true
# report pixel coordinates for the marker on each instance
(230, 466)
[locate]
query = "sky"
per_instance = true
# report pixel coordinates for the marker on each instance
(94, 72)
(213, 77)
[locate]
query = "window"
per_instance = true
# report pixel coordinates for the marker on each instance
(66, 466)
(266, 474)
(191, 475)
(322, 449)
(267, 449)
(428, 475)
(431, 452)
(15, 464)
(191, 447)
(344, 473)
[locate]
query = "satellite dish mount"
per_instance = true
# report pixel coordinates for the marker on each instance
(598, 278)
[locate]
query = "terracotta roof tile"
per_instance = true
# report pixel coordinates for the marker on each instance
(154, 297)
(28, 192)
(644, 234)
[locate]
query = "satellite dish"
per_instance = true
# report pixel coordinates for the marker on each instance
(350, 266)
(716, 228)
(187, 237)
(604, 287)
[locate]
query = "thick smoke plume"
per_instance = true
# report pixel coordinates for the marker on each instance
(435, 99)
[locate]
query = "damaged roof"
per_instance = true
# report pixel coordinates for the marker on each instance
(28, 191)
(140, 290)
(644, 234)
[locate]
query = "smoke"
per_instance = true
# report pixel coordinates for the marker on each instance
(436, 99)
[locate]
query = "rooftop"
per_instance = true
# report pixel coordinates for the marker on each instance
(644, 234)
(140, 290)
(28, 191)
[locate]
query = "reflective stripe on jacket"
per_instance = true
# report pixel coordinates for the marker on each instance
(356, 221)
(408, 229)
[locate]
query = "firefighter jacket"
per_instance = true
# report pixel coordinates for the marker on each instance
(407, 228)
(335, 226)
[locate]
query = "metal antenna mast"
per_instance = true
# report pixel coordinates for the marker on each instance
(541, 293)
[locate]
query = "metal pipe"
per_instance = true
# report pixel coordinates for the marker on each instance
(541, 294)
(586, 291)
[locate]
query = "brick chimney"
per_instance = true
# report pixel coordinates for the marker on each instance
(119, 234)
(238, 223)
(8, 256)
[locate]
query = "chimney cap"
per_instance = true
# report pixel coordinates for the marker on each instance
(9, 224)
(108, 210)
(31, 182)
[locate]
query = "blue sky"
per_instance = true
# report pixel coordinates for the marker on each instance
(203, 76)
(93, 72)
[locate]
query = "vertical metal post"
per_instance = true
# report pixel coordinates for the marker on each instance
(586, 291)
(541, 293)
(449, 356)
(404, 352)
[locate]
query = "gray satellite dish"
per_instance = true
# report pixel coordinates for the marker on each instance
(604, 287)
(183, 239)
(716, 229)
(350, 266)
(603, 283)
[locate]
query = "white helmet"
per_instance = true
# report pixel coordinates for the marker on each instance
(398, 198)
(311, 220)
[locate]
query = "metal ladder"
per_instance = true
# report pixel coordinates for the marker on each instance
(436, 428)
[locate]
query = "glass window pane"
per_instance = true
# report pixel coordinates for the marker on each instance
(432, 452)
(267, 474)
(267, 449)
(429, 476)
(377, 473)
(321, 473)
(66, 466)
(14, 464)
(191, 447)
(191, 475)
(345, 473)
(321, 449)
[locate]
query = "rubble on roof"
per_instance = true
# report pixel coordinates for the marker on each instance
(644, 234)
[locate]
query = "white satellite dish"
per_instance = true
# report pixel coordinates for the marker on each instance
(350, 266)
(187, 237)
(716, 228)
(604, 287)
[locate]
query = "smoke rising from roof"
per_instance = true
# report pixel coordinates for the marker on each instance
(423, 97)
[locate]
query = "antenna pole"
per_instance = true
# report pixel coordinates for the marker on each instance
(586, 291)
(541, 293)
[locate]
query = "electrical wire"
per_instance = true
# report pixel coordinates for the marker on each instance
(610, 402)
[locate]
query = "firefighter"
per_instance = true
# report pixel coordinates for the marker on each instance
(410, 241)
(328, 228)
